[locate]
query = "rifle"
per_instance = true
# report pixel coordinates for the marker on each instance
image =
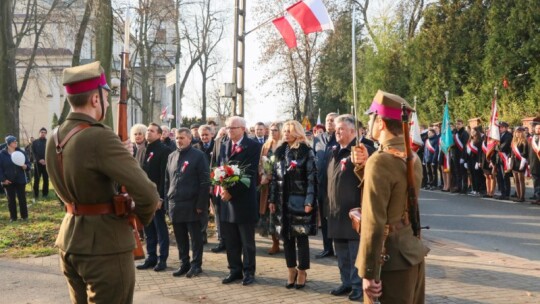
(412, 210)
(123, 198)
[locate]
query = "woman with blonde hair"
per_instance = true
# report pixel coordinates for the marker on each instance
(292, 193)
(520, 153)
(137, 135)
(267, 222)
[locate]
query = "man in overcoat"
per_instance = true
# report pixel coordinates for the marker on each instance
(401, 279)
(187, 182)
(95, 244)
(239, 210)
(322, 144)
(344, 195)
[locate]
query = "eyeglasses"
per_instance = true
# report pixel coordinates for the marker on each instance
(232, 128)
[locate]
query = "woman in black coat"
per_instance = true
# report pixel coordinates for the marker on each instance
(293, 189)
(13, 178)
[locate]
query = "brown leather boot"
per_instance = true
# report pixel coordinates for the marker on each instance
(275, 245)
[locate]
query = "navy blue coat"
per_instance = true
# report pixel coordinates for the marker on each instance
(243, 206)
(10, 171)
(187, 189)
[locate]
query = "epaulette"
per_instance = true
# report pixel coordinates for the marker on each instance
(396, 153)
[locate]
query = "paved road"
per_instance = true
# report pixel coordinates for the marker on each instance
(462, 268)
(487, 224)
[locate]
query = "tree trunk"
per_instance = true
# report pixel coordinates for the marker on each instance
(76, 60)
(104, 43)
(9, 104)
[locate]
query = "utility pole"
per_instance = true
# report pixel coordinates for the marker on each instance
(239, 56)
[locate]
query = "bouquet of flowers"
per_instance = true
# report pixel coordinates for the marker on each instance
(229, 175)
(268, 164)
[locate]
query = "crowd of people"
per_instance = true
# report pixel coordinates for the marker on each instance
(475, 166)
(300, 182)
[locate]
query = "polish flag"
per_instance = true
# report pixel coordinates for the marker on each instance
(311, 15)
(284, 27)
(415, 130)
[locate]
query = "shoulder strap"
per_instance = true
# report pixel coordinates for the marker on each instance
(60, 149)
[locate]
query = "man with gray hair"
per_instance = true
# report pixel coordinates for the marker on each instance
(239, 210)
(187, 182)
(166, 139)
(344, 195)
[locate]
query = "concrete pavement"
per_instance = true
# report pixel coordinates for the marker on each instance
(456, 273)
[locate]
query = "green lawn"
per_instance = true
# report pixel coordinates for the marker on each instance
(36, 236)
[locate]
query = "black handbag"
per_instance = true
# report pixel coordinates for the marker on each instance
(295, 204)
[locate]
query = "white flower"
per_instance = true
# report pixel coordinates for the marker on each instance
(236, 170)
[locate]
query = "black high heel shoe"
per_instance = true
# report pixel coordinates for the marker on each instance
(300, 286)
(291, 285)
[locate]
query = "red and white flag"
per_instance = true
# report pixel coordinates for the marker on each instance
(311, 15)
(415, 130)
(284, 27)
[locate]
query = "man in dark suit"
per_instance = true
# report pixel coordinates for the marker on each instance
(239, 210)
(206, 145)
(154, 163)
(260, 131)
(322, 144)
(505, 150)
(459, 175)
(40, 170)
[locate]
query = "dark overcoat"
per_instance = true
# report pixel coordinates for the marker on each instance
(187, 183)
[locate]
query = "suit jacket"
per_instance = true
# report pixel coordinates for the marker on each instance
(534, 159)
(383, 202)
(154, 164)
(207, 151)
(94, 162)
(243, 206)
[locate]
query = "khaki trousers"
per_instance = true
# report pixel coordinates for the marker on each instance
(99, 278)
(403, 286)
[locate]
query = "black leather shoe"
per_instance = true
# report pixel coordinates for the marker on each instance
(181, 271)
(219, 248)
(502, 197)
(356, 295)
(341, 290)
(248, 279)
(193, 272)
(147, 264)
(160, 266)
(324, 254)
(232, 277)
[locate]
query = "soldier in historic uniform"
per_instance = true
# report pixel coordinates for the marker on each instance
(401, 279)
(95, 244)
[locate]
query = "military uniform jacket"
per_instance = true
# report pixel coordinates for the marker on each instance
(384, 200)
(94, 159)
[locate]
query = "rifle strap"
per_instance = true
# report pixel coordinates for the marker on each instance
(59, 153)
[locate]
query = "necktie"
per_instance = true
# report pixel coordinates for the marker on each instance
(261, 140)
(205, 146)
(233, 148)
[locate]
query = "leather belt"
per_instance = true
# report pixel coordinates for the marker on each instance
(90, 209)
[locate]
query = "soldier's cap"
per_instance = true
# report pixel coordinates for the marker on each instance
(388, 105)
(503, 124)
(84, 78)
(10, 139)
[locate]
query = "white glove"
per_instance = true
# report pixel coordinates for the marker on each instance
(477, 166)
(466, 166)
(461, 161)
